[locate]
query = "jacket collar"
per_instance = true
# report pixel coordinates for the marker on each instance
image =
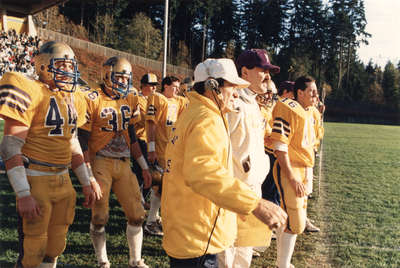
(199, 99)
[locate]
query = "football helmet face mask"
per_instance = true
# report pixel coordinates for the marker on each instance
(117, 76)
(56, 64)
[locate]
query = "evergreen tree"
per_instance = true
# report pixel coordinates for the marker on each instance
(390, 85)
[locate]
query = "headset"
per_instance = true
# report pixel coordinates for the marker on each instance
(213, 85)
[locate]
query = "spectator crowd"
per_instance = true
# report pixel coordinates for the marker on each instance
(17, 52)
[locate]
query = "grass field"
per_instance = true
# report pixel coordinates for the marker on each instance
(357, 206)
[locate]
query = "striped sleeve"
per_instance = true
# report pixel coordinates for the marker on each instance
(14, 98)
(281, 127)
(15, 102)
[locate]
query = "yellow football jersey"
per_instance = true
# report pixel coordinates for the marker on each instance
(106, 117)
(163, 112)
(293, 125)
(140, 123)
(319, 128)
(52, 117)
(267, 114)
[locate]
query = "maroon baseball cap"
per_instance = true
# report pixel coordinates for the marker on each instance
(256, 58)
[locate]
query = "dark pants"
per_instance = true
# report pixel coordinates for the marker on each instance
(206, 261)
(268, 188)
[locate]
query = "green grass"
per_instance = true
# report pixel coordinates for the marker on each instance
(361, 185)
(356, 205)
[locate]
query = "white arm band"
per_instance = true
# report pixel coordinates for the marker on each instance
(83, 174)
(11, 146)
(280, 146)
(152, 146)
(19, 181)
(142, 162)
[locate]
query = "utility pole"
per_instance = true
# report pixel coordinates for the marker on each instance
(164, 71)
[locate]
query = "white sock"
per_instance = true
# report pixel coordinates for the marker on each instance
(226, 257)
(48, 265)
(98, 237)
(309, 187)
(278, 234)
(243, 257)
(155, 203)
(286, 248)
(134, 235)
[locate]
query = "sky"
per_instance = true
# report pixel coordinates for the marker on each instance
(383, 22)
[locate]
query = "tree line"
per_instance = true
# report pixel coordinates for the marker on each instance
(316, 37)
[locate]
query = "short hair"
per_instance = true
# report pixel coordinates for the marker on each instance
(168, 80)
(285, 85)
(199, 87)
(301, 84)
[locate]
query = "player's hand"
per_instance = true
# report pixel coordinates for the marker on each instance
(152, 157)
(96, 189)
(28, 208)
(270, 214)
(298, 187)
(147, 179)
(89, 196)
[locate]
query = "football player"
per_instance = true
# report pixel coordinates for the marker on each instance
(317, 111)
(41, 118)
(293, 138)
(108, 140)
(186, 86)
(319, 133)
(148, 85)
(286, 90)
(163, 110)
(269, 190)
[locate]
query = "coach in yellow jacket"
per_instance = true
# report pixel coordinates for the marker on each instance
(200, 195)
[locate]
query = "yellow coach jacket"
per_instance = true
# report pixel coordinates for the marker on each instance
(198, 181)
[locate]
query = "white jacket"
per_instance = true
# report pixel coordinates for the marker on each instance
(247, 128)
(250, 163)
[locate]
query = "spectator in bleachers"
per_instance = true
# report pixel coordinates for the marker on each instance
(17, 51)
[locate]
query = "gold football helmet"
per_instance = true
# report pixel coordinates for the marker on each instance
(56, 62)
(117, 75)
